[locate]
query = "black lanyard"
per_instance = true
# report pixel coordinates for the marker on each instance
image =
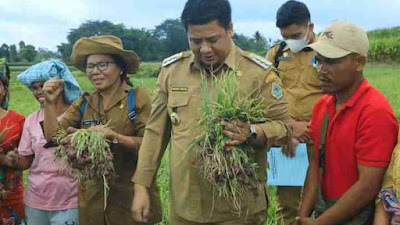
(322, 144)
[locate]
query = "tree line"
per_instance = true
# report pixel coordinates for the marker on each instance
(164, 40)
(25, 53)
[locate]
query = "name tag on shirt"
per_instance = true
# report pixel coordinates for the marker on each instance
(90, 122)
(179, 89)
(285, 58)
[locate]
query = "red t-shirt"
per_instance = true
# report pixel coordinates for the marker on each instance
(12, 179)
(362, 132)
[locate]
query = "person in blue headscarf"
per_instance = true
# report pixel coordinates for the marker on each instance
(51, 195)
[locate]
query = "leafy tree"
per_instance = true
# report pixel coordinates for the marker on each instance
(151, 45)
(14, 54)
(65, 50)
(260, 44)
(166, 39)
(87, 29)
(5, 52)
(172, 36)
(257, 44)
(28, 53)
(44, 54)
(140, 41)
(21, 45)
(95, 28)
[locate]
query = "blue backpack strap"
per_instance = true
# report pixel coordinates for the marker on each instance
(132, 104)
(82, 108)
(279, 53)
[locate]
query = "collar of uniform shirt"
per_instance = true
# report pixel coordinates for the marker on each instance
(229, 61)
(93, 99)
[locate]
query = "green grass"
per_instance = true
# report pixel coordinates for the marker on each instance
(384, 77)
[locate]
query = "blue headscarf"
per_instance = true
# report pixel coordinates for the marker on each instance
(43, 71)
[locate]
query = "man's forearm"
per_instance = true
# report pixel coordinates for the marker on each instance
(355, 199)
(261, 140)
(310, 192)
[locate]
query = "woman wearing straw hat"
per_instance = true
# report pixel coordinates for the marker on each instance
(51, 195)
(106, 65)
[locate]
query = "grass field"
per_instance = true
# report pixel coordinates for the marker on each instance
(384, 77)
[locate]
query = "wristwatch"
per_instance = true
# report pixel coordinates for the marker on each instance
(116, 139)
(252, 137)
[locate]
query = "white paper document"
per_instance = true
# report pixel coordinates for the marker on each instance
(285, 171)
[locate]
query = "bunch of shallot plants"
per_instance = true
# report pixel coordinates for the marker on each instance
(88, 155)
(231, 172)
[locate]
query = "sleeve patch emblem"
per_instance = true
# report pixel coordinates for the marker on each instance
(276, 91)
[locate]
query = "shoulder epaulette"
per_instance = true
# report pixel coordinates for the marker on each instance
(265, 64)
(172, 59)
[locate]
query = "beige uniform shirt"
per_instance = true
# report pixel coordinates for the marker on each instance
(299, 79)
(392, 175)
(91, 199)
(178, 91)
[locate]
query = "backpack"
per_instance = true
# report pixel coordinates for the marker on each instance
(279, 53)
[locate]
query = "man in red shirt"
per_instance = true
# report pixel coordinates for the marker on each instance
(354, 132)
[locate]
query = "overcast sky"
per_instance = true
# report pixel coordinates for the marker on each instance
(46, 23)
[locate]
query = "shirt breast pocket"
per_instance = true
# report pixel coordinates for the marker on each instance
(287, 73)
(183, 109)
(312, 78)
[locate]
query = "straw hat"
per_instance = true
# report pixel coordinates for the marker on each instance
(102, 45)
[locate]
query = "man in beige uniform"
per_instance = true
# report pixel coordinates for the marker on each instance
(177, 109)
(300, 81)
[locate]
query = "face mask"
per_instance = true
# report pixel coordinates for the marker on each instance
(297, 45)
